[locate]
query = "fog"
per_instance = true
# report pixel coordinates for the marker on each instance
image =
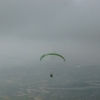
(31, 28)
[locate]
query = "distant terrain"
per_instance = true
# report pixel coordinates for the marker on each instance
(34, 83)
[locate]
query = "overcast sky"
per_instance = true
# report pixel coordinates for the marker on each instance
(30, 28)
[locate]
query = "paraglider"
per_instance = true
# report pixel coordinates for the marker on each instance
(51, 75)
(52, 54)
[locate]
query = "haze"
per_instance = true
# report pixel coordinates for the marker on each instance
(30, 28)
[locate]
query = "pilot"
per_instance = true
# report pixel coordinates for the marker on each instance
(51, 75)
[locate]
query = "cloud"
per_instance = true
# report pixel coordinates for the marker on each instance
(30, 28)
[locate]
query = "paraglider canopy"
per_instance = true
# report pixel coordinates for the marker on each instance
(52, 54)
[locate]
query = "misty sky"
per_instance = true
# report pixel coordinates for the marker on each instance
(30, 28)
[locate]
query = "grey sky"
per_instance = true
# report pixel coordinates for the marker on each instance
(29, 28)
